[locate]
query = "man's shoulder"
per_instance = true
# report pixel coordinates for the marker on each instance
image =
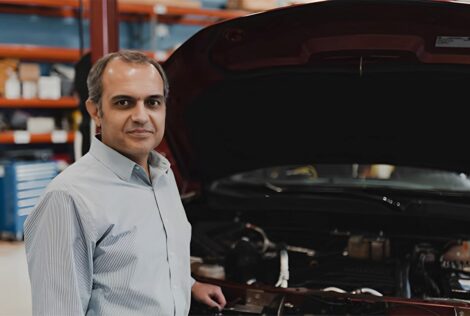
(74, 184)
(83, 170)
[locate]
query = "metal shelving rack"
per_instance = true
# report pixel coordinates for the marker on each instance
(104, 16)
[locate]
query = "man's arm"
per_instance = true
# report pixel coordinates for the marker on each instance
(59, 257)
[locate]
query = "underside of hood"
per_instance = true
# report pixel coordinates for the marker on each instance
(331, 82)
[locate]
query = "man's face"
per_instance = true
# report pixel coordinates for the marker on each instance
(133, 109)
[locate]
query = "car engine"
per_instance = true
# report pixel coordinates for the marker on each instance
(339, 261)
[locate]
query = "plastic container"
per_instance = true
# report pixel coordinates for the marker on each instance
(12, 86)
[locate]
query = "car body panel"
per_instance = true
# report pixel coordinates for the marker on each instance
(223, 78)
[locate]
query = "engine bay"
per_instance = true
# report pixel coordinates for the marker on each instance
(332, 260)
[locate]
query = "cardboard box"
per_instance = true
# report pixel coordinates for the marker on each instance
(29, 71)
(173, 3)
(252, 5)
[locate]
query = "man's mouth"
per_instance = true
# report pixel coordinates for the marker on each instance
(140, 132)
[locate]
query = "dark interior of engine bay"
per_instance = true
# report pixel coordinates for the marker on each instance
(372, 255)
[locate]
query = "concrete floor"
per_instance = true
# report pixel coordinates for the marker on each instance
(15, 290)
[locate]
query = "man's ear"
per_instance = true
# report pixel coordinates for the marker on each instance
(92, 109)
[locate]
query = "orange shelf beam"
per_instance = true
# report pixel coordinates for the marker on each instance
(39, 53)
(23, 137)
(42, 3)
(139, 9)
(62, 103)
(63, 7)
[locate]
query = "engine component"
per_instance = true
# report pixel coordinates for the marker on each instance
(424, 271)
(366, 290)
(214, 271)
(362, 290)
(268, 244)
(459, 286)
(456, 262)
(284, 269)
(243, 262)
(256, 303)
(457, 256)
(361, 247)
(333, 289)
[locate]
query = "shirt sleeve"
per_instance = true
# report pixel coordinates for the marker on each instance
(60, 257)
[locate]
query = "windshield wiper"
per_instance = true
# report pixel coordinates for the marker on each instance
(390, 203)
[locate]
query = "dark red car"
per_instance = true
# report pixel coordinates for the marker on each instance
(323, 154)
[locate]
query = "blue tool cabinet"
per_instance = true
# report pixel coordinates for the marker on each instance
(21, 185)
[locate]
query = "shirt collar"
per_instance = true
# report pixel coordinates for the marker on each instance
(120, 164)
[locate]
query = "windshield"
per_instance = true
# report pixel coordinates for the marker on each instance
(358, 175)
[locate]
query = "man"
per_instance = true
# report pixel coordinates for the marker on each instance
(110, 235)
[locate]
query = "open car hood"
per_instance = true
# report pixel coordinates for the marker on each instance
(330, 81)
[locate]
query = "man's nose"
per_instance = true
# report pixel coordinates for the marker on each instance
(139, 113)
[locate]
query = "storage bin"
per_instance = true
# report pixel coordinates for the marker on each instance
(21, 185)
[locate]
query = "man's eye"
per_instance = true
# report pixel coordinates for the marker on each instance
(122, 103)
(154, 102)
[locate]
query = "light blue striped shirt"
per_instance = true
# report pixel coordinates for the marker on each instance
(105, 240)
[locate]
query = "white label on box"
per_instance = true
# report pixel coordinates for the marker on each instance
(2, 171)
(453, 41)
(21, 137)
(59, 137)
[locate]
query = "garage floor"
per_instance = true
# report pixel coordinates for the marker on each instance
(15, 295)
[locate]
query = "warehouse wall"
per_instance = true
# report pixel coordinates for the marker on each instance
(41, 30)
